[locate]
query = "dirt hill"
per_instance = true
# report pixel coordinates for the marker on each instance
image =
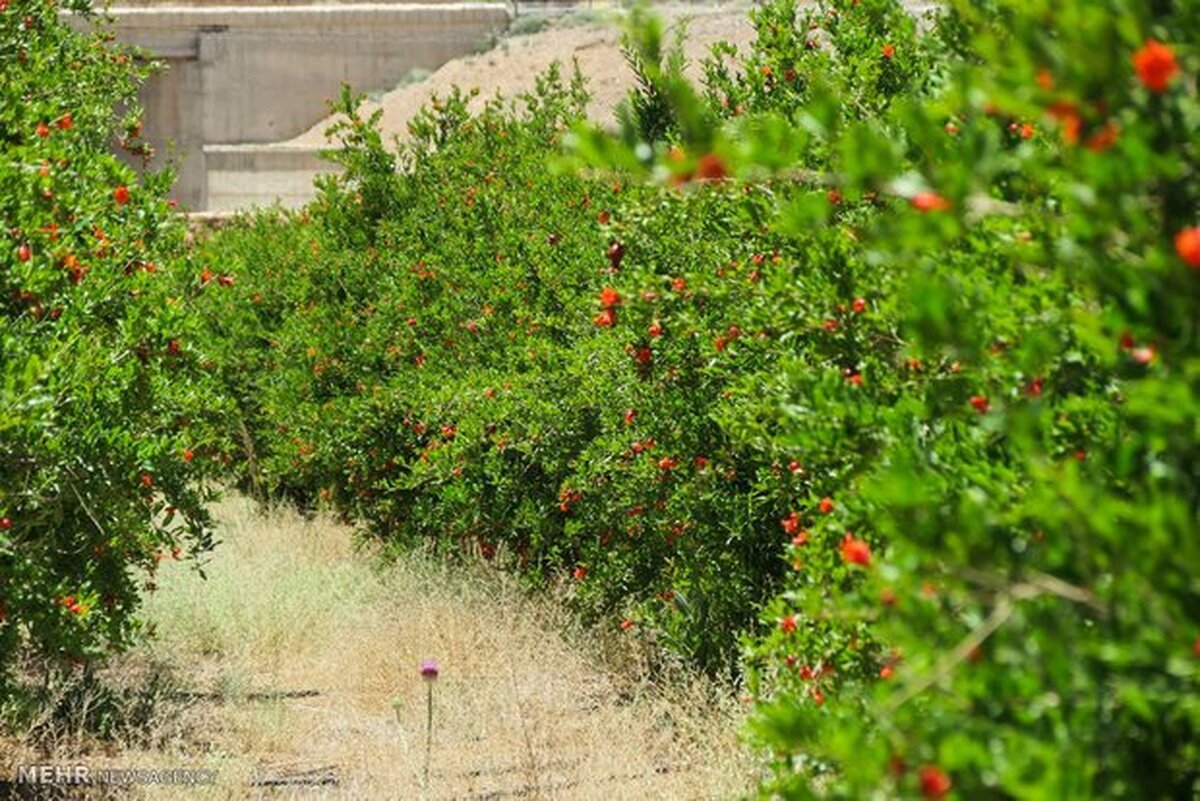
(591, 37)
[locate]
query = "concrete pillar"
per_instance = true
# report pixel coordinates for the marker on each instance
(174, 125)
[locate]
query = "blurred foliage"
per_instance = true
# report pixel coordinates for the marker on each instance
(1021, 181)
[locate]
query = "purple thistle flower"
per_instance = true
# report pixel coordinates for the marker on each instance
(429, 669)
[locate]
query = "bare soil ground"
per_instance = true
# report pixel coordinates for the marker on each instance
(299, 659)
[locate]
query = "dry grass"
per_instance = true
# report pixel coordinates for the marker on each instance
(522, 708)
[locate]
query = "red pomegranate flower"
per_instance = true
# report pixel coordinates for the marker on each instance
(121, 195)
(609, 298)
(791, 523)
(710, 167)
(1187, 245)
(788, 624)
(855, 551)
(1155, 65)
(889, 52)
(66, 122)
(1104, 138)
(980, 402)
(606, 318)
(826, 505)
(925, 202)
(1069, 118)
(935, 784)
(43, 130)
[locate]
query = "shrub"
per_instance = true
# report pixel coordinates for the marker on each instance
(105, 411)
(1027, 478)
(884, 360)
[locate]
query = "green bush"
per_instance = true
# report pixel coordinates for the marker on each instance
(872, 377)
(1002, 602)
(104, 409)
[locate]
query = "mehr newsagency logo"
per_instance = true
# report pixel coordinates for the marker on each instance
(79, 775)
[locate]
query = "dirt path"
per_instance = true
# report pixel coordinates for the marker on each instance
(522, 709)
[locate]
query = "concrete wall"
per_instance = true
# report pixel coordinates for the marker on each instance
(239, 75)
(240, 176)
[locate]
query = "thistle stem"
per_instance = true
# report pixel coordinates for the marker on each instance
(428, 730)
